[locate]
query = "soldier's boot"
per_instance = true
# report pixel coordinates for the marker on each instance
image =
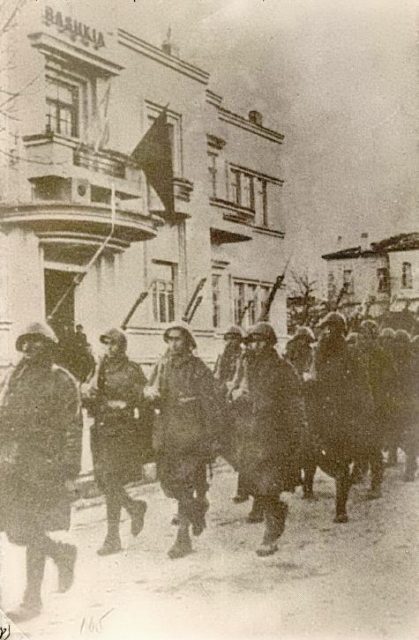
(343, 483)
(392, 457)
(112, 543)
(196, 510)
(308, 481)
(410, 466)
(65, 557)
(242, 494)
(257, 512)
(137, 513)
(377, 473)
(275, 517)
(31, 605)
(183, 545)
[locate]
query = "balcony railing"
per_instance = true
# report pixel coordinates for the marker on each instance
(99, 162)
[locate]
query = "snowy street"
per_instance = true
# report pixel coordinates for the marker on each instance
(355, 580)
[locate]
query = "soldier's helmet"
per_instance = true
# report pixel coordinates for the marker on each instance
(334, 319)
(116, 336)
(235, 331)
(415, 344)
(185, 328)
(402, 337)
(262, 331)
(36, 329)
(305, 335)
(387, 333)
(369, 329)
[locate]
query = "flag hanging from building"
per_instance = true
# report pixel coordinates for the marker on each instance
(153, 154)
(99, 131)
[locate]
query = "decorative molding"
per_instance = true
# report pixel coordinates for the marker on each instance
(62, 50)
(239, 121)
(150, 51)
(257, 174)
(215, 142)
(269, 232)
(182, 189)
(213, 98)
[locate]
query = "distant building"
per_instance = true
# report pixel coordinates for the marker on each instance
(86, 93)
(384, 276)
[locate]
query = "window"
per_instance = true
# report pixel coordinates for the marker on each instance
(216, 306)
(249, 300)
(62, 115)
(383, 280)
(407, 278)
(163, 292)
(242, 189)
(263, 201)
(235, 186)
(331, 286)
(212, 171)
(247, 192)
(348, 281)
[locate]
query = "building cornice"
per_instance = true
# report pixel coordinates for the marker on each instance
(239, 121)
(215, 142)
(50, 45)
(150, 51)
(269, 232)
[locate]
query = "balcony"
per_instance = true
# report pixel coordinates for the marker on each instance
(233, 212)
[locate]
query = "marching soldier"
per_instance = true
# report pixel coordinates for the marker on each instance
(224, 372)
(412, 434)
(185, 431)
(381, 378)
(391, 434)
(299, 351)
(40, 450)
(271, 419)
(115, 399)
(344, 405)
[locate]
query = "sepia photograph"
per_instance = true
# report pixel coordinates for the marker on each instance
(209, 320)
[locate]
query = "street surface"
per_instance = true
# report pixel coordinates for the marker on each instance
(346, 581)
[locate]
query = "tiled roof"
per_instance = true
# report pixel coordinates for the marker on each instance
(401, 242)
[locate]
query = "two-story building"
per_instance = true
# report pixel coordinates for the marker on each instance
(83, 94)
(384, 275)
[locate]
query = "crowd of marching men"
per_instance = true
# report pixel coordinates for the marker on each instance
(334, 401)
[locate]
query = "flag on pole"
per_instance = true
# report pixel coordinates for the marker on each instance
(153, 154)
(99, 134)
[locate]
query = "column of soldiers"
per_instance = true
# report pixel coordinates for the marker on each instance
(336, 402)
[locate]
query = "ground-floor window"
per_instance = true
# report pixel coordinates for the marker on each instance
(163, 291)
(249, 300)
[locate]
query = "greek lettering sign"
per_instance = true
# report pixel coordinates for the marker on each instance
(75, 29)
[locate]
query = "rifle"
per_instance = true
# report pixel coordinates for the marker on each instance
(194, 302)
(143, 295)
(266, 307)
(244, 311)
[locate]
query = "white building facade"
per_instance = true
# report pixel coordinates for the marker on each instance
(384, 276)
(85, 93)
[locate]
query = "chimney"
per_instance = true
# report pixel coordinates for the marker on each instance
(168, 47)
(255, 117)
(364, 241)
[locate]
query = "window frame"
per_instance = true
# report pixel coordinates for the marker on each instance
(407, 275)
(59, 106)
(166, 290)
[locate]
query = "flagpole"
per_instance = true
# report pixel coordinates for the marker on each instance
(79, 276)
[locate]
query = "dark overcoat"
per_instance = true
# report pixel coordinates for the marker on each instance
(270, 424)
(188, 424)
(120, 420)
(341, 400)
(41, 439)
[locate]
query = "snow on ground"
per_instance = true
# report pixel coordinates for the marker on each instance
(349, 581)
